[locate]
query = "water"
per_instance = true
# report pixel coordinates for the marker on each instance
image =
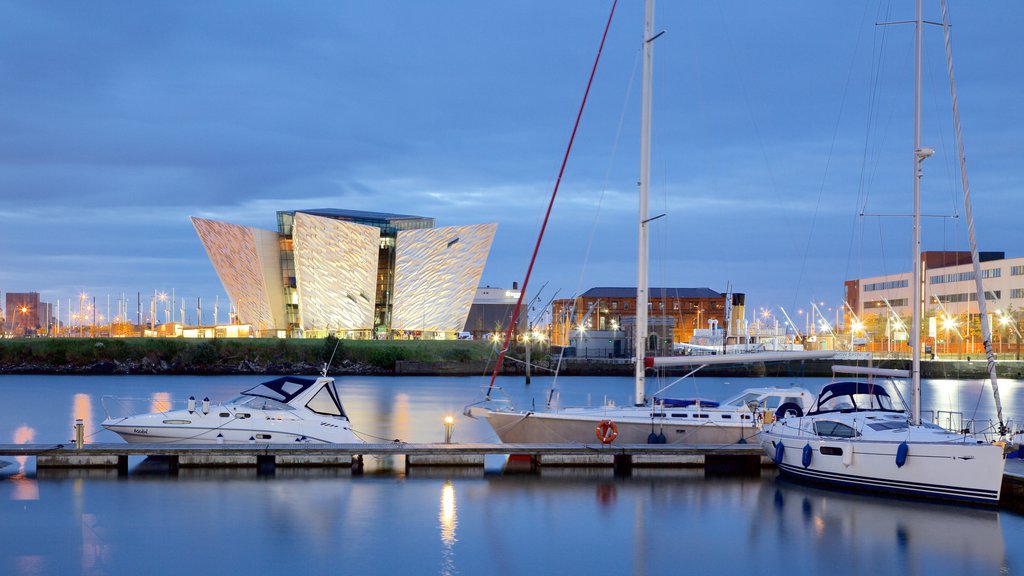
(447, 521)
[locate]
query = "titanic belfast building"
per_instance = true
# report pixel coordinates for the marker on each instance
(352, 273)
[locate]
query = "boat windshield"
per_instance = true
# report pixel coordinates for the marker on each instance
(261, 403)
(326, 401)
(281, 389)
(853, 397)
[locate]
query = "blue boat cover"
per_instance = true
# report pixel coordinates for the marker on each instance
(684, 402)
(281, 389)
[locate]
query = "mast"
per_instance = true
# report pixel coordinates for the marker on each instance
(917, 302)
(640, 330)
(986, 327)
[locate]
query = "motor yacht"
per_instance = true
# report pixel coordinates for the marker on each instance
(282, 410)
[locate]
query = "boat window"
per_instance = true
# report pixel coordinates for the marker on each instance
(831, 451)
(324, 403)
(745, 399)
(834, 429)
(262, 390)
(261, 403)
(893, 425)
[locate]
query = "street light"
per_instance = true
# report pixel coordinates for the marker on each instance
(948, 323)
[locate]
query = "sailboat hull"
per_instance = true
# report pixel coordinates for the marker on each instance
(533, 427)
(958, 471)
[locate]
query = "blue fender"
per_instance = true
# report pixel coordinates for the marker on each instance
(901, 454)
(808, 451)
(780, 452)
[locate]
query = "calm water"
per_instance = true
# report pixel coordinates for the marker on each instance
(440, 521)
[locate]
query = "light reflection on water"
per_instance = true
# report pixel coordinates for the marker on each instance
(439, 521)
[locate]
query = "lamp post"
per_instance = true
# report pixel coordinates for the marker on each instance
(24, 326)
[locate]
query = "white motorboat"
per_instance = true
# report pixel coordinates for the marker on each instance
(647, 421)
(854, 437)
(282, 410)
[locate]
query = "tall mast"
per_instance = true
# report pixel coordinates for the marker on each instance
(918, 304)
(640, 330)
(986, 327)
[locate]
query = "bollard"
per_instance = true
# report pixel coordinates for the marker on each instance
(79, 432)
(449, 423)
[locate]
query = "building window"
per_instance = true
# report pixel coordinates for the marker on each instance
(1017, 270)
(1017, 293)
(965, 276)
(886, 285)
(625, 305)
(615, 305)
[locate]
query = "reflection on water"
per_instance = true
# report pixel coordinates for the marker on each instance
(448, 524)
(926, 537)
(160, 402)
(450, 521)
(83, 411)
(495, 524)
(23, 435)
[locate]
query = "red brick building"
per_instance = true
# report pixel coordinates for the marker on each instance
(674, 313)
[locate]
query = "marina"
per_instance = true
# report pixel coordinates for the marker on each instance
(465, 518)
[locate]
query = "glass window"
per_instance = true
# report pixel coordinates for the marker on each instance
(323, 403)
(834, 429)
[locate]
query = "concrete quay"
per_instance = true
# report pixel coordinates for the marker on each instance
(267, 457)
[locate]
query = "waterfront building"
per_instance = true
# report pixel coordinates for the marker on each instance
(349, 272)
(602, 319)
(882, 303)
(25, 314)
(491, 311)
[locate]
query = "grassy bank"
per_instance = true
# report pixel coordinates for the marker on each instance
(230, 356)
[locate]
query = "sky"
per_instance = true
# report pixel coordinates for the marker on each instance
(775, 125)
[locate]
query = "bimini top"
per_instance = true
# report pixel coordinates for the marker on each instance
(852, 397)
(281, 389)
(284, 390)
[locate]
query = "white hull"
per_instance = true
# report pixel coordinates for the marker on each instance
(962, 471)
(578, 427)
(283, 410)
(696, 423)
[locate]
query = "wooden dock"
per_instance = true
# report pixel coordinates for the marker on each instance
(622, 458)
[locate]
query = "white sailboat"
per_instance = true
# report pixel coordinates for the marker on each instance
(653, 420)
(855, 437)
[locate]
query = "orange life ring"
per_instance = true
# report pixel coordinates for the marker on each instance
(606, 431)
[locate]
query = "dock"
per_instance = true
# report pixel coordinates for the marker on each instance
(741, 458)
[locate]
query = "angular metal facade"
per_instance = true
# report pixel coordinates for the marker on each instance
(335, 272)
(248, 264)
(437, 271)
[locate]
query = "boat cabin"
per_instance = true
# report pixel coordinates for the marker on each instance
(853, 397)
(290, 392)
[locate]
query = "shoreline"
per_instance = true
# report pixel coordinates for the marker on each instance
(124, 356)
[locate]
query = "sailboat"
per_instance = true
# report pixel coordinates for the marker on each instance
(856, 437)
(654, 420)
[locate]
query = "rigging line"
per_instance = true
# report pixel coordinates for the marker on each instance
(986, 331)
(868, 165)
(861, 189)
(600, 204)
(828, 164)
(547, 215)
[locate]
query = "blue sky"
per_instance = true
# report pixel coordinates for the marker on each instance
(119, 121)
